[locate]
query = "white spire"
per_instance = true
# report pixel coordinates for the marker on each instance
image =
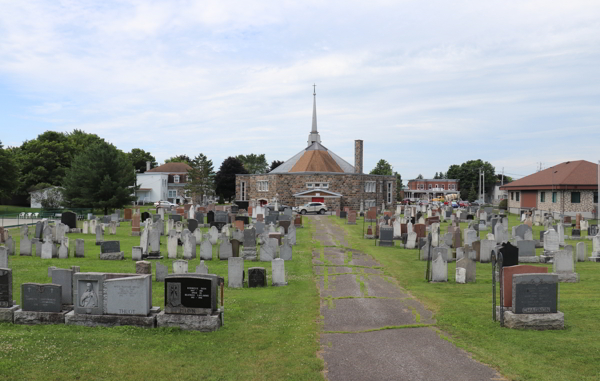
(314, 134)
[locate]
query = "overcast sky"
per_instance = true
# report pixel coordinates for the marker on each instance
(424, 84)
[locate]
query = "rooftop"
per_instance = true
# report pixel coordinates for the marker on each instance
(580, 173)
(171, 168)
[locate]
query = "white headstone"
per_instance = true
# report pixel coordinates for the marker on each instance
(439, 269)
(235, 272)
(180, 266)
(581, 251)
(278, 272)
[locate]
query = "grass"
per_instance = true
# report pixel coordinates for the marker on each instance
(269, 333)
(465, 313)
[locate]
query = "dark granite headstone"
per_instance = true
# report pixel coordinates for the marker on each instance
(592, 230)
(535, 293)
(192, 225)
(110, 247)
(470, 217)
(6, 295)
(235, 247)
(221, 217)
(39, 229)
(199, 217)
(191, 294)
(386, 236)
(510, 254)
(210, 217)
(106, 219)
(41, 297)
(235, 209)
(250, 238)
(285, 225)
(246, 219)
(175, 217)
(145, 216)
(271, 218)
(542, 236)
(576, 233)
(70, 219)
(257, 277)
(343, 214)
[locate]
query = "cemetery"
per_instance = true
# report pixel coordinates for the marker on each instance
(206, 275)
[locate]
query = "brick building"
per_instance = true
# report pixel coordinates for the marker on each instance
(567, 188)
(428, 189)
(317, 174)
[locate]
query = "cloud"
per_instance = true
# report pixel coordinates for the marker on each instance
(425, 85)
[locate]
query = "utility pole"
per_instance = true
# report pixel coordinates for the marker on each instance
(483, 188)
(479, 182)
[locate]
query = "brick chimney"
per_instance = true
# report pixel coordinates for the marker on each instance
(358, 156)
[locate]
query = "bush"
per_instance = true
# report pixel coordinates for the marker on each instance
(503, 205)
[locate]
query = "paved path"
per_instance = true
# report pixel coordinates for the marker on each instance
(357, 300)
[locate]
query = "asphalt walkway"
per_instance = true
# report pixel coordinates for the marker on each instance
(357, 301)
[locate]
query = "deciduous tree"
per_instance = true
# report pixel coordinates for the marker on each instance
(139, 157)
(9, 172)
(254, 163)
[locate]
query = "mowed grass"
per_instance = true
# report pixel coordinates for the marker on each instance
(269, 333)
(464, 312)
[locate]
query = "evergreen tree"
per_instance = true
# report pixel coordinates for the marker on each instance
(9, 172)
(275, 164)
(201, 178)
(225, 177)
(420, 177)
(100, 177)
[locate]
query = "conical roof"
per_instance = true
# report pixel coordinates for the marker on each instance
(315, 158)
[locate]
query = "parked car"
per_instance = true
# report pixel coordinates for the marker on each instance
(165, 204)
(475, 203)
(463, 204)
(454, 204)
(312, 207)
(280, 206)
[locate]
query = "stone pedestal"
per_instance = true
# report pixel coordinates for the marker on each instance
(37, 317)
(136, 234)
(112, 256)
(7, 314)
(112, 320)
(531, 259)
(538, 322)
(568, 277)
(249, 254)
(594, 259)
(203, 323)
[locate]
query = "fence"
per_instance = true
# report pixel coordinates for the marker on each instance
(11, 218)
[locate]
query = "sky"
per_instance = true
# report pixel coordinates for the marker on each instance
(424, 84)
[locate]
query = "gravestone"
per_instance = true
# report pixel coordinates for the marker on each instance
(63, 250)
(235, 272)
(64, 277)
(25, 247)
(526, 249)
(278, 272)
(128, 214)
(411, 240)
(564, 266)
(143, 267)
(192, 225)
(285, 252)
(470, 270)
(225, 250)
(206, 249)
(39, 228)
(201, 268)
(161, 272)
(581, 251)
(534, 293)
(136, 253)
(111, 250)
(268, 251)
(551, 241)
(510, 254)
(41, 297)
(145, 216)
(172, 240)
(130, 295)
(257, 277)
(69, 219)
(386, 236)
(235, 246)
(99, 235)
(509, 272)
(191, 294)
(180, 266)
(439, 269)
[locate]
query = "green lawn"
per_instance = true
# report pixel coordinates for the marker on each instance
(464, 311)
(269, 334)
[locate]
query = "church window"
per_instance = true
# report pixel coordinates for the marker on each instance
(370, 186)
(263, 185)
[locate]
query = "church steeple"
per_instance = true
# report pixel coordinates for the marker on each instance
(314, 134)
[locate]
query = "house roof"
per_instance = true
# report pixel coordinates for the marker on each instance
(580, 174)
(315, 158)
(171, 168)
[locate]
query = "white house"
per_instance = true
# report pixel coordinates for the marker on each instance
(165, 182)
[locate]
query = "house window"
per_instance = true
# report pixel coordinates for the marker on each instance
(310, 185)
(429, 186)
(518, 194)
(542, 196)
(172, 193)
(575, 197)
(243, 190)
(369, 204)
(436, 186)
(451, 186)
(389, 192)
(263, 185)
(512, 196)
(554, 197)
(442, 186)
(370, 186)
(176, 179)
(595, 197)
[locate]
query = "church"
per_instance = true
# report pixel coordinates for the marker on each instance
(316, 174)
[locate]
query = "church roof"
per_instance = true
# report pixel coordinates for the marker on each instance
(315, 158)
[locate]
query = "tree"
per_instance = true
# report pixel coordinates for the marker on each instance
(435, 176)
(225, 177)
(420, 177)
(139, 157)
(275, 164)
(201, 178)
(255, 164)
(100, 177)
(472, 194)
(179, 159)
(9, 172)
(80, 140)
(467, 173)
(399, 186)
(382, 168)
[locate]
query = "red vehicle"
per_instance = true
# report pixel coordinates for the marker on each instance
(463, 204)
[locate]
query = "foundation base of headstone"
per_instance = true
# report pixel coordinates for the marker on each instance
(112, 256)
(546, 259)
(136, 234)
(538, 322)
(36, 317)
(385, 243)
(112, 320)
(249, 254)
(568, 278)
(98, 243)
(7, 314)
(594, 259)
(350, 223)
(530, 259)
(203, 323)
(367, 236)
